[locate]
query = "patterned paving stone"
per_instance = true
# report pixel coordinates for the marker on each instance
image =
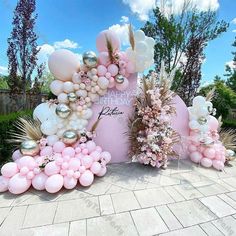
(3, 213)
(115, 225)
(153, 197)
(191, 212)
(124, 202)
(170, 220)
(188, 191)
(193, 231)
(226, 225)
(174, 193)
(218, 206)
(77, 209)
(78, 228)
(148, 222)
(106, 205)
(210, 229)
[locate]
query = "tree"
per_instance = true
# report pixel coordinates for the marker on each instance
(231, 71)
(180, 42)
(224, 99)
(3, 82)
(22, 49)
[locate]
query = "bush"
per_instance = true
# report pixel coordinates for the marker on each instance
(229, 124)
(6, 124)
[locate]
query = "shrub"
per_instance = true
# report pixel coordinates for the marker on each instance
(6, 124)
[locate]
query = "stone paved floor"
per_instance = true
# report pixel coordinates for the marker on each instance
(130, 200)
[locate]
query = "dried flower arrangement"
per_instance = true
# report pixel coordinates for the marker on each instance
(151, 135)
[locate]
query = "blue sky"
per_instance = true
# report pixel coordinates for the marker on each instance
(75, 24)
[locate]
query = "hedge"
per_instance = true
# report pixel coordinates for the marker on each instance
(229, 124)
(6, 124)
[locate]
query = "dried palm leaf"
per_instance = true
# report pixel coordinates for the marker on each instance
(110, 49)
(131, 37)
(228, 138)
(26, 128)
(210, 94)
(95, 125)
(220, 122)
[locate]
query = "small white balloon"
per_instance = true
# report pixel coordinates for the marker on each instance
(141, 47)
(199, 101)
(139, 35)
(56, 87)
(193, 124)
(62, 98)
(51, 139)
(103, 82)
(68, 87)
(49, 127)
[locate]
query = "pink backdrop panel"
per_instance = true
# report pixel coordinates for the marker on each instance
(180, 124)
(115, 109)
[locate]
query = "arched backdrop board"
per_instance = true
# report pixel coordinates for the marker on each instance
(115, 109)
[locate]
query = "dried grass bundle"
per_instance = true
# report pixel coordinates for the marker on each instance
(131, 37)
(210, 95)
(26, 128)
(110, 50)
(228, 138)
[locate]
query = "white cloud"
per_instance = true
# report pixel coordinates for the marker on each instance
(124, 19)
(234, 31)
(233, 21)
(231, 64)
(65, 44)
(143, 8)
(3, 70)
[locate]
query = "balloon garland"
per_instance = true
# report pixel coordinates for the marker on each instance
(55, 148)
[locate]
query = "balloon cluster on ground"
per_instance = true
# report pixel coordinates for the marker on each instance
(205, 147)
(64, 153)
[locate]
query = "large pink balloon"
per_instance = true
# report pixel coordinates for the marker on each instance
(3, 184)
(102, 172)
(9, 169)
(63, 64)
(219, 165)
(16, 155)
(86, 178)
(196, 157)
(18, 184)
(213, 123)
(206, 162)
(52, 168)
(101, 41)
(39, 181)
(74, 164)
(27, 161)
(96, 167)
(69, 182)
(54, 183)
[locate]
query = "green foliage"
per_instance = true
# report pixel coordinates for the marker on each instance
(3, 82)
(6, 124)
(228, 123)
(224, 100)
(45, 82)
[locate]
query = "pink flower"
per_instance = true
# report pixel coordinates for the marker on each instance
(83, 139)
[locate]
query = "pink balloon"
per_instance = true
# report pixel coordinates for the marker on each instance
(27, 161)
(70, 182)
(209, 153)
(24, 170)
(106, 156)
(192, 148)
(98, 149)
(3, 184)
(206, 162)
(39, 181)
(68, 151)
(130, 67)
(54, 183)
(16, 155)
(123, 86)
(82, 169)
(30, 175)
(219, 165)
(103, 59)
(102, 172)
(58, 146)
(87, 161)
(213, 123)
(102, 70)
(196, 157)
(46, 151)
(86, 178)
(96, 168)
(101, 41)
(9, 169)
(85, 151)
(18, 184)
(95, 155)
(113, 69)
(74, 164)
(76, 174)
(91, 145)
(51, 168)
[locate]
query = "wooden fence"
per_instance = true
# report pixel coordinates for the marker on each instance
(8, 104)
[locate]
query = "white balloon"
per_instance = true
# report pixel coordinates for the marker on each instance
(82, 93)
(199, 101)
(87, 114)
(44, 111)
(139, 35)
(68, 87)
(56, 87)
(150, 42)
(62, 98)
(63, 64)
(193, 124)
(51, 139)
(49, 127)
(202, 111)
(103, 82)
(141, 47)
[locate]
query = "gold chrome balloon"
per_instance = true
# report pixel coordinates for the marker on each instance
(90, 59)
(29, 148)
(202, 120)
(72, 97)
(69, 137)
(63, 111)
(119, 79)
